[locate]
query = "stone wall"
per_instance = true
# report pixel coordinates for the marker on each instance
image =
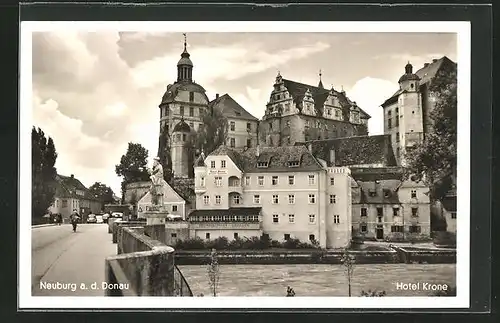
(143, 266)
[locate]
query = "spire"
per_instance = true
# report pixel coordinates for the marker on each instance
(185, 65)
(409, 68)
(320, 85)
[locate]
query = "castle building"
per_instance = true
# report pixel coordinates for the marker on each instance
(383, 204)
(407, 111)
(299, 112)
(181, 111)
(242, 126)
(281, 192)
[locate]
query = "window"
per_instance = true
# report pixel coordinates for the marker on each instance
(275, 218)
(236, 199)
(312, 218)
(270, 126)
(397, 228)
(184, 137)
(276, 199)
(336, 219)
(261, 180)
(312, 179)
(174, 208)
(207, 236)
(337, 113)
(217, 199)
(191, 96)
(249, 143)
(232, 143)
(395, 211)
(397, 136)
(206, 200)
(262, 164)
(173, 235)
(380, 211)
(247, 180)
(223, 164)
(64, 203)
(212, 164)
(312, 199)
(415, 229)
(413, 194)
(389, 123)
(332, 181)
(288, 123)
(232, 125)
(453, 215)
(274, 180)
(256, 199)
(363, 211)
(181, 111)
(288, 140)
(249, 126)
(291, 180)
(414, 211)
(235, 235)
(286, 236)
(333, 199)
(191, 111)
(291, 218)
(364, 228)
(167, 111)
(291, 199)
(218, 181)
(202, 182)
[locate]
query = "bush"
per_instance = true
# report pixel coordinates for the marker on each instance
(252, 243)
(190, 244)
(374, 293)
(221, 243)
(445, 238)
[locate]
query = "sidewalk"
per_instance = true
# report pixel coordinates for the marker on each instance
(43, 225)
(78, 262)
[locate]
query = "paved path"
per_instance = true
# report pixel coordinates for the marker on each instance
(69, 258)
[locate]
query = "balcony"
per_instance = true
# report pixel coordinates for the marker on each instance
(235, 185)
(198, 189)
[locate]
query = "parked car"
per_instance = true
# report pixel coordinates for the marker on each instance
(105, 217)
(117, 215)
(174, 217)
(91, 218)
(99, 218)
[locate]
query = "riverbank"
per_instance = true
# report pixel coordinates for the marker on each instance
(388, 255)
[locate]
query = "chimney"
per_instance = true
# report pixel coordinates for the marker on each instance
(216, 96)
(72, 176)
(426, 64)
(332, 157)
(434, 60)
(310, 147)
(257, 151)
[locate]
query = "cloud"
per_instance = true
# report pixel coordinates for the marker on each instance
(369, 93)
(230, 62)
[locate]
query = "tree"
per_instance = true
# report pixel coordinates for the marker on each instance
(434, 160)
(43, 172)
(212, 132)
(213, 272)
(164, 153)
(348, 261)
(103, 192)
(133, 166)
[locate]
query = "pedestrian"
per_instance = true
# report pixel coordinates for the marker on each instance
(59, 218)
(74, 219)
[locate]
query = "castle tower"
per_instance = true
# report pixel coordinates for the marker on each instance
(408, 114)
(181, 137)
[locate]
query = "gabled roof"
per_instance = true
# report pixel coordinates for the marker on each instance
(351, 151)
(298, 90)
(379, 192)
(278, 158)
(231, 109)
(427, 73)
(66, 187)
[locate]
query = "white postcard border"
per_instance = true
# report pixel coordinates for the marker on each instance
(462, 300)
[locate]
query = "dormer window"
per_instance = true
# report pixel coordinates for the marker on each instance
(372, 192)
(262, 164)
(387, 193)
(293, 164)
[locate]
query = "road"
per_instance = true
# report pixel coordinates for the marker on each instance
(63, 260)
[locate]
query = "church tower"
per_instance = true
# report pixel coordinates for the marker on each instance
(180, 150)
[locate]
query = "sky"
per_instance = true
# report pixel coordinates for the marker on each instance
(93, 92)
